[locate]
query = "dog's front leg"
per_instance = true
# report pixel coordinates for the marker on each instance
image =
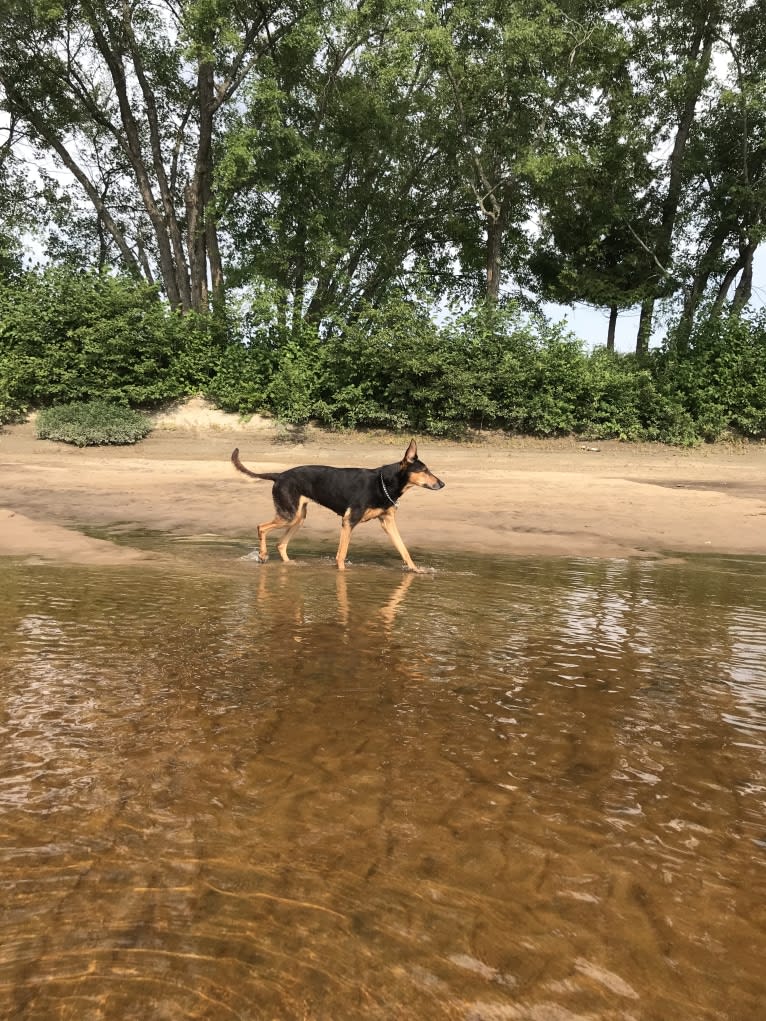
(388, 521)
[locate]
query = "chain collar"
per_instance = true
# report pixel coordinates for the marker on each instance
(391, 500)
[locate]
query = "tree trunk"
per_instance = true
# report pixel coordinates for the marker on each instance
(195, 245)
(168, 206)
(131, 146)
(612, 328)
(494, 257)
(202, 241)
(744, 290)
(218, 288)
(725, 285)
(299, 279)
(644, 327)
(699, 58)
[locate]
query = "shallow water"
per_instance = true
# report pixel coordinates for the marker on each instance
(515, 789)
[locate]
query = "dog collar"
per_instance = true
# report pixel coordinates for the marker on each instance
(391, 500)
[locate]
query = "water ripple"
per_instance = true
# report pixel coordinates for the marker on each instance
(514, 789)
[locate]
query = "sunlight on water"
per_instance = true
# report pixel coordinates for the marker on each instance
(515, 789)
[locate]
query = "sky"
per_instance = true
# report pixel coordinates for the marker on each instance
(591, 325)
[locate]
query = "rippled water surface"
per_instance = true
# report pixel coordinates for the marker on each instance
(515, 789)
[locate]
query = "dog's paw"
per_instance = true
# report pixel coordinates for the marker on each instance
(255, 556)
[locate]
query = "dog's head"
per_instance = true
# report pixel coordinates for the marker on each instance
(418, 474)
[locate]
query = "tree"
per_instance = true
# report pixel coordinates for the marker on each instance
(591, 203)
(127, 98)
(515, 78)
(345, 198)
(667, 197)
(728, 193)
(673, 48)
(17, 210)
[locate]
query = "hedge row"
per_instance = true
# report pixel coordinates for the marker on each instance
(67, 338)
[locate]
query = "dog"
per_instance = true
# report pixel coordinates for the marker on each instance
(354, 494)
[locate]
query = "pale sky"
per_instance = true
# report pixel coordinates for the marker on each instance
(591, 325)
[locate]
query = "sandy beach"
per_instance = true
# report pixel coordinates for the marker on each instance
(503, 495)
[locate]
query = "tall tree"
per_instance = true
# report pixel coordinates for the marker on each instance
(659, 205)
(346, 197)
(590, 205)
(515, 80)
(728, 190)
(126, 97)
(672, 57)
(17, 208)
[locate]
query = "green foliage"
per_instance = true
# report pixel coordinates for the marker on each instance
(372, 370)
(490, 367)
(292, 391)
(719, 374)
(326, 176)
(92, 424)
(13, 402)
(73, 337)
(82, 338)
(625, 400)
(241, 379)
(344, 150)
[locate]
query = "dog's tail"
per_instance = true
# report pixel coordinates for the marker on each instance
(271, 476)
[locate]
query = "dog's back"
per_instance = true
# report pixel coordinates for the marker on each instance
(337, 489)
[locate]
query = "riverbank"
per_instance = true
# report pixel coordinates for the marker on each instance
(502, 495)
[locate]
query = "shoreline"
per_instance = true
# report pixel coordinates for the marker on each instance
(509, 496)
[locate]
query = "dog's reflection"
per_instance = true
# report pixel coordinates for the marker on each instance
(303, 600)
(386, 613)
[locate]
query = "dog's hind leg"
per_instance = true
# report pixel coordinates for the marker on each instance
(290, 512)
(346, 529)
(263, 530)
(292, 528)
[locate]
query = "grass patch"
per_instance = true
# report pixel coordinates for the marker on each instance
(92, 424)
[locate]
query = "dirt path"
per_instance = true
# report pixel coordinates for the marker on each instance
(502, 496)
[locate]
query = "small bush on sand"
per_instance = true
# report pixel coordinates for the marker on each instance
(92, 424)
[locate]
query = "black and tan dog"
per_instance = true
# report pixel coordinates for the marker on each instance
(355, 494)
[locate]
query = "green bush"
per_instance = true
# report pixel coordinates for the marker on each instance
(12, 409)
(621, 399)
(241, 379)
(80, 336)
(92, 424)
(382, 370)
(394, 367)
(718, 374)
(488, 368)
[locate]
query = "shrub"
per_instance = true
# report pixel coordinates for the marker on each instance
(383, 369)
(92, 424)
(241, 379)
(394, 367)
(719, 374)
(68, 336)
(12, 407)
(78, 337)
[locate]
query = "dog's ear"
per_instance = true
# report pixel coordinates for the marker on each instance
(411, 453)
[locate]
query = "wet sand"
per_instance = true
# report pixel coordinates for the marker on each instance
(503, 495)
